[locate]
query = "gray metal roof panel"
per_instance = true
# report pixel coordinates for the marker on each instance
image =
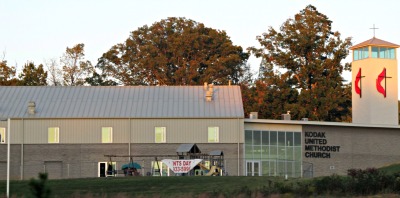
(216, 153)
(121, 102)
(187, 148)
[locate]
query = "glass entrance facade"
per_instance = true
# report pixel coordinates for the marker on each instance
(277, 152)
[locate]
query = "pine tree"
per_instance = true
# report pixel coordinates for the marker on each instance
(33, 76)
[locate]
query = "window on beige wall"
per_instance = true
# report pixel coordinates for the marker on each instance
(160, 134)
(213, 134)
(2, 135)
(53, 135)
(106, 135)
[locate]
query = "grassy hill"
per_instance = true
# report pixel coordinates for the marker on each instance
(391, 169)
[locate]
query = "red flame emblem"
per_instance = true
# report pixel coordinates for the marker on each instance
(379, 87)
(358, 79)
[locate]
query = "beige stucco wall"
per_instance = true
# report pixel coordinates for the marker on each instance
(73, 131)
(373, 107)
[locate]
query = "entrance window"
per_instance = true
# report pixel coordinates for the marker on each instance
(273, 153)
(253, 168)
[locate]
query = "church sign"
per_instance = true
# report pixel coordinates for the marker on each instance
(316, 145)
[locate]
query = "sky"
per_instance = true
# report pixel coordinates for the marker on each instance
(40, 30)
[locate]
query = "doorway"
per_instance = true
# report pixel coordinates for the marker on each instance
(253, 168)
(102, 169)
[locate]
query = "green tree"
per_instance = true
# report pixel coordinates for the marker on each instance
(307, 56)
(75, 68)
(33, 76)
(271, 95)
(100, 80)
(175, 51)
(7, 75)
(39, 187)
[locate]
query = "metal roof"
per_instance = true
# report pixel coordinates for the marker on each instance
(120, 102)
(375, 42)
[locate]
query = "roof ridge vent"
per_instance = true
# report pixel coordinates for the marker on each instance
(31, 108)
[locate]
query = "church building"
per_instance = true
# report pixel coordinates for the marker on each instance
(68, 132)
(308, 148)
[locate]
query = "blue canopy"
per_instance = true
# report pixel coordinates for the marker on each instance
(131, 165)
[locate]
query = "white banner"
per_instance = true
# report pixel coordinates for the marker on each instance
(181, 166)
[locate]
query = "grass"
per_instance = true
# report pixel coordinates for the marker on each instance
(390, 169)
(175, 186)
(146, 186)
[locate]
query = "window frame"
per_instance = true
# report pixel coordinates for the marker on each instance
(361, 53)
(356, 55)
(383, 52)
(163, 134)
(110, 135)
(3, 136)
(213, 138)
(374, 54)
(56, 135)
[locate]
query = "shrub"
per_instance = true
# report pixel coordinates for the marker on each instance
(39, 188)
(304, 188)
(333, 184)
(369, 181)
(283, 187)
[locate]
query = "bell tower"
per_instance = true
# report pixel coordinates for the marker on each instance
(375, 83)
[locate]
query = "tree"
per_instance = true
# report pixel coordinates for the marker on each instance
(7, 75)
(99, 80)
(308, 57)
(33, 76)
(175, 51)
(55, 73)
(271, 96)
(75, 68)
(39, 188)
